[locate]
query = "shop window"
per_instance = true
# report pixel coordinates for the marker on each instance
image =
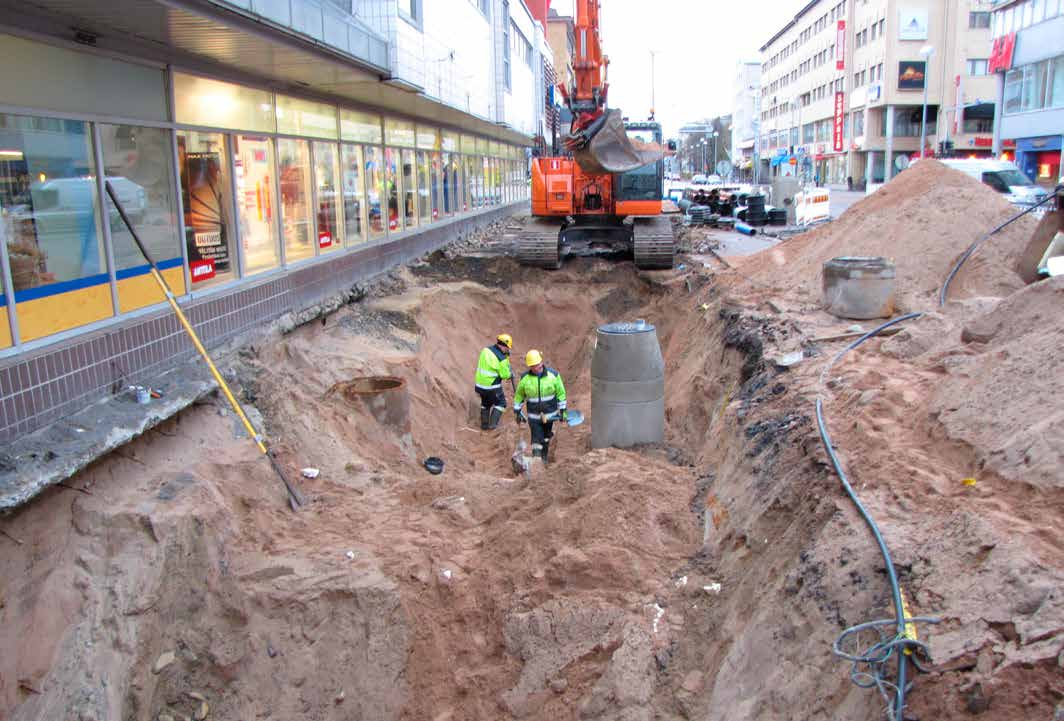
(426, 187)
(428, 138)
(330, 207)
(256, 202)
(138, 162)
(49, 201)
(392, 190)
(304, 117)
(5, 319)
(449, 141)
(353, 180)
(449, 199)
(410, 190)
(293, 172)
(359, 127)
(376, 197)
(199, 101)
(206, 197)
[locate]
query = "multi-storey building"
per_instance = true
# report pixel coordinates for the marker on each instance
(272, 153)
(1028, 62)
(844, 83)
(747, 88)
(562, 39)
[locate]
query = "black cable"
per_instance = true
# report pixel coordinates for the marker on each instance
(900, 639)
(974, 246)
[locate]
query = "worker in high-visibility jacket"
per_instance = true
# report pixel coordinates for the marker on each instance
(540, 399)
(493, 368)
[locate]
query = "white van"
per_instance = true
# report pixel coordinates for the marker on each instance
(1003, 177)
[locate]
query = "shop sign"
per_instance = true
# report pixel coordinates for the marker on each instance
(874, 92)
(201, 270)
(1001, 53)
(324, 239)
(911, 74)
(781, 151)
(983, 142)
(840, 46)
(837, 121)
(912, 23)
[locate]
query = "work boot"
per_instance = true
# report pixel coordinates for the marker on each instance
(484, 416)
(494, 416)
(545, 451)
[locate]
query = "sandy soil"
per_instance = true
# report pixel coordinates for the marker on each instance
(703, 578)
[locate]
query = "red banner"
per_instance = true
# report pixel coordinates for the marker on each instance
(1001, 53)
(839, 119)
(840, 46)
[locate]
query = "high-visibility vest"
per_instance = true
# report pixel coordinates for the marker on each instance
(493, 368)
(544, 393)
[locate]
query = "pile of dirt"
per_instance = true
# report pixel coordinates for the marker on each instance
(923, 220)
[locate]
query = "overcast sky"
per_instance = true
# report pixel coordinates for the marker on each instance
(696, 45)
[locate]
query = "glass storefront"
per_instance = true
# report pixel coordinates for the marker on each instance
(293, 169)
(327, 192)
(256, 201)
(354, 196)
(261, 181)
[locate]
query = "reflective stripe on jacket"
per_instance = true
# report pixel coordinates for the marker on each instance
(545, 393)
(492, 368)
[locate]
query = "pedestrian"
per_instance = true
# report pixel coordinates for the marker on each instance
(493, 367)
(543, 389)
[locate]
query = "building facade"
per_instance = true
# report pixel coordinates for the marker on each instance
(1028, 62)
(745, 120)
(270, 154)
(844, 83)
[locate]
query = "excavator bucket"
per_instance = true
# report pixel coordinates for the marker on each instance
(611, 151)
(1046, 242)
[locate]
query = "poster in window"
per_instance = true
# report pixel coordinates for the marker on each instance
(911, 74)
(205, 216)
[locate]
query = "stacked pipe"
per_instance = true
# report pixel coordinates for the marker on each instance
(755, 210)
(777, 216)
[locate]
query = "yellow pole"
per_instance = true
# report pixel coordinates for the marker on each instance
(295, 498)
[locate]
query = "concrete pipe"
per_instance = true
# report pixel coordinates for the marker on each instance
(627, 386)
(859, 287)
(383, 397)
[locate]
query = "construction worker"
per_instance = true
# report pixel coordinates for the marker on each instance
(544, 391)
(493, 368)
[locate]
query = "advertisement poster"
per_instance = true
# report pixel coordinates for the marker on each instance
(208, 247)
(837, 122)
(912, 23)
(911, 74)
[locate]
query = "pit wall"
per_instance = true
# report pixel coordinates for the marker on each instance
(42, 386)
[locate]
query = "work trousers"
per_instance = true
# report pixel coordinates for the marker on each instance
(492, 397)
(542, 432)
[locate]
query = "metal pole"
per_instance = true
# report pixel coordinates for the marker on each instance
(923, 116)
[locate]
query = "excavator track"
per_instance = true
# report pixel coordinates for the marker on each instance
(538, 243)
(653, 243)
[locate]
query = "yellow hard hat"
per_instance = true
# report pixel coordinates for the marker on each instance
(505, 339)
(533, 358)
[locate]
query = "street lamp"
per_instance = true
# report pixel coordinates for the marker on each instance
(925, 52)
(702, 145)
(715, 134)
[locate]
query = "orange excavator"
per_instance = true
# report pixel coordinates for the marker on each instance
(603, 195)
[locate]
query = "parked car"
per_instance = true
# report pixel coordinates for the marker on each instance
(714, 180)
(699, 179)
(1003, 177)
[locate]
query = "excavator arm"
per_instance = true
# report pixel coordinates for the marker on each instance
(597, 137)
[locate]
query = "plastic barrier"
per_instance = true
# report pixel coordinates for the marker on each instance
(812, 206)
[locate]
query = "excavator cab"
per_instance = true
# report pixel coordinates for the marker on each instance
(639, 191)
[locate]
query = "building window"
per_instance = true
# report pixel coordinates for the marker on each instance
(138, 162)
(410, 10)
(977, 67)
(522, 49)
(508, 33)
(294, 176)
(54, 238)
(410, 218)
(328, 197)
(354, 200)
(376, 195)
(256, 201)
(206, 196)
(484, 6)
(978, 19)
